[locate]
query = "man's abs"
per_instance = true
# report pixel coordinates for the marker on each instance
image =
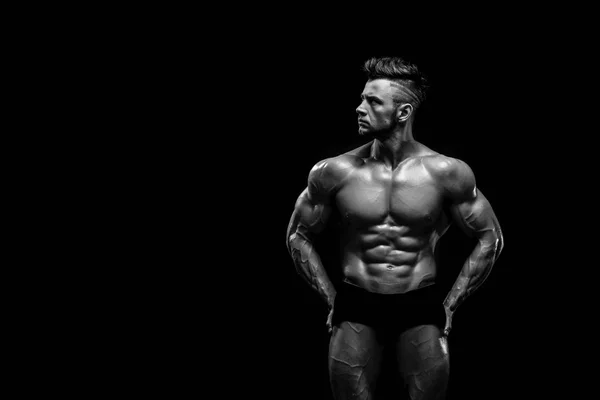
(390, 232)
(391, 221)
(383, 265)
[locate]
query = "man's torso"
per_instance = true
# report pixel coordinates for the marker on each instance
(391, 220)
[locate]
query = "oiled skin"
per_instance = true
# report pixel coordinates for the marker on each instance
(393, 214)
(393, 218)
(392, 221)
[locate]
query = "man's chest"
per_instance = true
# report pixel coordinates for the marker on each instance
(409, 195)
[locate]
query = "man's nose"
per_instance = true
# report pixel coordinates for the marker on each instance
(360, 110)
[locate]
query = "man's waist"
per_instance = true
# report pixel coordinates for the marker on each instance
(427, 293)
(390, 278)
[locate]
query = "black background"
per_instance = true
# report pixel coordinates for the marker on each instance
(226, 294)
(203, 130)
(490, 109)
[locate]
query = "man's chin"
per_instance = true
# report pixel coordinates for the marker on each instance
(364, 132)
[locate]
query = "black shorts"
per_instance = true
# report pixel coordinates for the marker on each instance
(392, 312)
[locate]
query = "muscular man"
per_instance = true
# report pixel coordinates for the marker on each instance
(395, 198)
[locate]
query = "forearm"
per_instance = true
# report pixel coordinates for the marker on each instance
(475, 270)
(309, 267)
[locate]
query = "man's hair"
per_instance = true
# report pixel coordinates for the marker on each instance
(414, 83)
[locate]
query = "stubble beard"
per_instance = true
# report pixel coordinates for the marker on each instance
(375, 134)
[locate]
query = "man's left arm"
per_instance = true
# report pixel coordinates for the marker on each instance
(474, 214)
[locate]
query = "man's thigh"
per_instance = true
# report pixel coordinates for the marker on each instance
(424, 361)
(354, 360)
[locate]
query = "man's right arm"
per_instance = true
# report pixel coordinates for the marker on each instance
(308, 219)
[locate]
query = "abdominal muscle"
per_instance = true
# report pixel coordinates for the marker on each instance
(385, 265)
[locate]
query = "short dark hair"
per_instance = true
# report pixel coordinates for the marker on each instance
(402, 72)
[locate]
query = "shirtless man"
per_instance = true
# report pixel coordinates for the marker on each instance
(395, 198)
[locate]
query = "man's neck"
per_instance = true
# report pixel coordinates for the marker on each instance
(394, 148)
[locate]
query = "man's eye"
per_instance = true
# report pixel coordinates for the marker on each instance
(371, 100)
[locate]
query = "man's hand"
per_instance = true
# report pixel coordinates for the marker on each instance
(448, 326)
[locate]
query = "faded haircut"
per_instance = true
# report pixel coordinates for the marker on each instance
(412, 82)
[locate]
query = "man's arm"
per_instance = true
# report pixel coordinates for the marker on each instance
(474, 214)
(308, 219)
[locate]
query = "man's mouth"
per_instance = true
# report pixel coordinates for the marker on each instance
(361, 122)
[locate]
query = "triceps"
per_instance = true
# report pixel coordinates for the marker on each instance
(478, 220)
(475, 216)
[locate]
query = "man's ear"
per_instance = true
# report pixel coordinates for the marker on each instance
(403, 112)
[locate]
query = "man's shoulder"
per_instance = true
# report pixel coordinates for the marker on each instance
(334, 169)
(452, 174)
(341, 164)
(330, 173)
(445, 167)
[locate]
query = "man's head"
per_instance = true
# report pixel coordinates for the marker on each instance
(393, 92)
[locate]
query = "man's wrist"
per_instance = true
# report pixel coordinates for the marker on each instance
(331, 300)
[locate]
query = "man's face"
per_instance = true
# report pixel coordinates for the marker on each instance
(377, 112)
